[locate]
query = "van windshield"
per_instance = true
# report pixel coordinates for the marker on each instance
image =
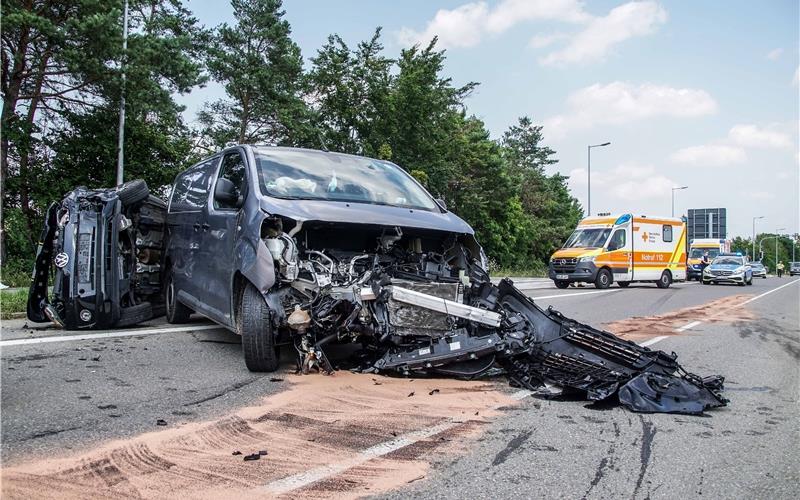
(317, 175)
(587, 238)
(697, 253)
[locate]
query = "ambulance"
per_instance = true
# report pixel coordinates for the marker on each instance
(699, 246)
(624, 249)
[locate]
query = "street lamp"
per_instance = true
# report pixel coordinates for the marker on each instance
(673, 197)
(777, 237)
(589, 174)
(754, 235)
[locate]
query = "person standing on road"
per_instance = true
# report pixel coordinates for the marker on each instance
(779, 268)
(704, 262)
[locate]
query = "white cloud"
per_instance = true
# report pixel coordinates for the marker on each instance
(752, 136)
(466, 25)
(710, 155)
(541, 41)
(460, 27)
(623, 102)
(624, 183)
(510, 12)
(603, 33)
(774, 54)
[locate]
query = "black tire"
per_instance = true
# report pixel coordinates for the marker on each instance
(134, 315)
(561, 284)
(603, 279)
(176, 312)
(133, 192)
(254, 325)
(623, 284)
(705, 282)
(665, 280)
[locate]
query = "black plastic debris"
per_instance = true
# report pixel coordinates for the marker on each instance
(161, 421)
(253, 456)
(433, 392)
(237, 452)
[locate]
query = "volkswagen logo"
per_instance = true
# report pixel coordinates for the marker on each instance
(61, 260)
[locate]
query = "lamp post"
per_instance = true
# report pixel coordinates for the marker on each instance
(777, 237)
(754, 235)
(673, 197)
(121, 133)
(589, 174)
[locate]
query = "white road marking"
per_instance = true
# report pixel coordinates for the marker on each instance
(106, 335)
(302, 479)
(653, 341)
(688, 326)
(576, 294)
(693, 324)
(768, 292)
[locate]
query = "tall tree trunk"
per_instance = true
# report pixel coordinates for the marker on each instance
(12, 88)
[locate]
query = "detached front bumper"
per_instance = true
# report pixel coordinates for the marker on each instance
(582, 271)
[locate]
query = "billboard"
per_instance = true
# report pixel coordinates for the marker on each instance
(707, 223)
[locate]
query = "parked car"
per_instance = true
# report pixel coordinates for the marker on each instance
(728, 268)
(103, 247)
(794, 268)
(759, 271)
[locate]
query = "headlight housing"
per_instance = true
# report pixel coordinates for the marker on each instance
(589, 258)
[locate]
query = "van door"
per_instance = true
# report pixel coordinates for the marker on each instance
(620, 253)
(219, 240)
(184, 221)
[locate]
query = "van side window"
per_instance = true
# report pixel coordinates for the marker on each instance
(618, 240)
(234, 170)
(666, 233)
(191, 188)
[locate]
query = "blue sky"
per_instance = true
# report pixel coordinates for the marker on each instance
(703, 94)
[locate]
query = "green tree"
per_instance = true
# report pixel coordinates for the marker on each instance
(261, 69)
(62, 82)
(350, 92)
(546, 200)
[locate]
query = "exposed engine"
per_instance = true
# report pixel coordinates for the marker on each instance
(421, 301)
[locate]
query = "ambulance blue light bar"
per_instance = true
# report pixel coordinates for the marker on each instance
(623, 219)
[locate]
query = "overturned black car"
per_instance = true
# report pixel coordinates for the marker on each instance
(301, 248)
(104, 248)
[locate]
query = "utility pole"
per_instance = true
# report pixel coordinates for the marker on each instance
(121, 137)
(589, 174)
(754, 235)
(777, 237)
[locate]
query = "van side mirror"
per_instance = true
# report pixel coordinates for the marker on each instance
(441, 203)
(225, 193)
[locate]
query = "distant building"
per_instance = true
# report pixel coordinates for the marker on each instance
(707, 223)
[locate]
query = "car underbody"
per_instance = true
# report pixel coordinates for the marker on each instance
(413, 300)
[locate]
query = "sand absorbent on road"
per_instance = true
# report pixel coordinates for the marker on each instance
(319, 421)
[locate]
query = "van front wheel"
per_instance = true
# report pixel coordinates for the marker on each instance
(603, 279)
(665, 280)
(253, 323)
(561, 284)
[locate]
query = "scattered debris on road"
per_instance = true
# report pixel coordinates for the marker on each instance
(161, 421)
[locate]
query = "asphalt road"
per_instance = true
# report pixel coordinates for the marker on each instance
(61, 397)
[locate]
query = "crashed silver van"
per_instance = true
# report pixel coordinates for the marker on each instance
(303, 248)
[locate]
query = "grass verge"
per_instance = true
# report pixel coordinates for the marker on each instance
(12, 302)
